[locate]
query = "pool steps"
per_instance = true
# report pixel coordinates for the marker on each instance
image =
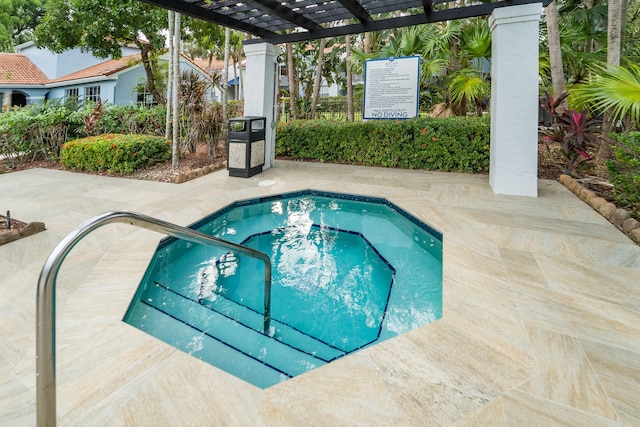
(228, 335)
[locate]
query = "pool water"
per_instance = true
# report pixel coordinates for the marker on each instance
(347, 272)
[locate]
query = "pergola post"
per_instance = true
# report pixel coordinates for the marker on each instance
(514, 100)
(260, 90)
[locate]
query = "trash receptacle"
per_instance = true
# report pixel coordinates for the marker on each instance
(246, 146)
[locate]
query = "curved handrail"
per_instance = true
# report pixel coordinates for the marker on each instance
(45, 304)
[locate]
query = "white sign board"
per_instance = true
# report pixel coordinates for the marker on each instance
(391, 88)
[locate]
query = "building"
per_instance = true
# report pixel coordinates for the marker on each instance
(34, 75)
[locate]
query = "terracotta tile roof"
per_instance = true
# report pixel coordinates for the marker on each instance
(105, 68)
(216, 64)
(17, 69)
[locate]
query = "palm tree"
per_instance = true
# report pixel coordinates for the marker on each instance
(349, 76)
(470, 85)
(614, 89)
(555, 51)
(615, 28)
(318, 77)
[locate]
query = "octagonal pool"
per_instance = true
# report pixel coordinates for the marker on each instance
(348, 271)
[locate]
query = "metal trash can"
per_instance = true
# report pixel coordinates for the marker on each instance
(246, 146)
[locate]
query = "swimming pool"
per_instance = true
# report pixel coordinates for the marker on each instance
(348, 271)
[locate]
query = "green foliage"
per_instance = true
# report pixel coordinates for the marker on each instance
(36, 130)
(200, 121)
(625, 171)
(18, 18)
(115, 153)
(148, 120)
(574, 131)
(613, 88)
(455, 144)
(103, 27)
(41, 130)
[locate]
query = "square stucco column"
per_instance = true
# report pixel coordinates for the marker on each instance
(6, 100)
(514, 100)
(260, 90)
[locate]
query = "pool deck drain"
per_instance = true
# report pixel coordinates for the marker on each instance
(541, 321)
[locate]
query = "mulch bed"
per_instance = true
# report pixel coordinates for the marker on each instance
(15, 224)
(191, 165)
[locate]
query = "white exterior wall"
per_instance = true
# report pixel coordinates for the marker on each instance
(55, 65)
(514, 100)
(260, 89)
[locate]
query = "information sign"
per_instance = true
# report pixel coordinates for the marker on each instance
(391, 88)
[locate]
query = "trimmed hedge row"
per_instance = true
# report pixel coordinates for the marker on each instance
(115, 153)
(458, 144)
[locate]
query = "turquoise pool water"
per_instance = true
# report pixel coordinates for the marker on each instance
(348, 271)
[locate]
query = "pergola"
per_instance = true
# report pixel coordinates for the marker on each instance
(514, 69)
(285, 21)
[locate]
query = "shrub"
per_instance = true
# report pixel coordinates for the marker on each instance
(454, 144)
(574, 131)
(34, 130)
(115, 153)
(122, 119)
(41, 130)
(625, 171)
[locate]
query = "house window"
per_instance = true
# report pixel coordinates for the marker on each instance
(71, 94)
(92, 93)
(144, 97)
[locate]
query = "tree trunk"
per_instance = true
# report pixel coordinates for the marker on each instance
(615, 25)
(175, 152)
(555, 53)
(225, 73)
(317, 83)
(240, 81)
(293, 84)
(614, 31)
(349, 80)
(167, 130)
(235, 80)
(148, 65)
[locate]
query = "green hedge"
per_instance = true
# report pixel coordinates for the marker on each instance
(625, 171)
(115, 153)
(455, 144)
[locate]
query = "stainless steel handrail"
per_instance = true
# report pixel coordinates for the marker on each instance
(45, 304)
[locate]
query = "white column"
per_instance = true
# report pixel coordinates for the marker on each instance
(6, 100)
(514, 100)
(260, 90)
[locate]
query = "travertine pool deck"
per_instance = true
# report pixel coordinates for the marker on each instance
(541, 321)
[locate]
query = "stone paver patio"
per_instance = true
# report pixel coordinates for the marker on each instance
(541, 322)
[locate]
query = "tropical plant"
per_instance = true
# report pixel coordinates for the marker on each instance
(91, 120)
(616, 89)
(201, 121)
(624, 169)
(574, 131)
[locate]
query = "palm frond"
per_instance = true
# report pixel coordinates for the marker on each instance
(468, 84)
(616, 89)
